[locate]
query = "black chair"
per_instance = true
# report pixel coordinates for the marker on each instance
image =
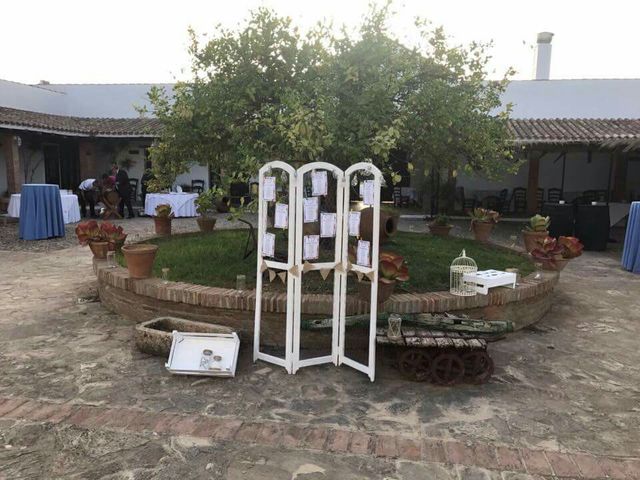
(601, 196)
(503, 205)
(238, 191)
(398, 199)
(492, 202)
(197, 186)
(519, 198)
(587, 197)
(540, 198)
(467, 203)
(133, 189)
(554, 195)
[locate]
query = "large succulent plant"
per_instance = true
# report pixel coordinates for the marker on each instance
(571, 247)
(538, 223)
(393, 268)
(550, 250)
(164, 210)
(484, 215)
(88, 232)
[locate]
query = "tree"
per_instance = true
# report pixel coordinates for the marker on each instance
(267, 92)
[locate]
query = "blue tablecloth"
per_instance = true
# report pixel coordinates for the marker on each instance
(631, 251)
(40, 212)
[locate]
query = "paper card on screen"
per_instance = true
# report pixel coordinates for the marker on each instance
(319, 183)
(311, 206)
(363, 257)
(269, 189)
(368, 192)
(281, 219)
(268, 245)
(311, 247)
(328, 222)
(354, 224)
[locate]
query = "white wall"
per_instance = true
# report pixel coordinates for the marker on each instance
(28, 97)
(197, 172)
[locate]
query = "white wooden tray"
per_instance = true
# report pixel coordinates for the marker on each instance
(188, 349)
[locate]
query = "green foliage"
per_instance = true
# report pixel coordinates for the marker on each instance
(538, 223)
(164, 210)
(266, 92)
(206, 202)
(441, 220)
(484, 215)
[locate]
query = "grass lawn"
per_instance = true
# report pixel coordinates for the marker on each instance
(215, 260)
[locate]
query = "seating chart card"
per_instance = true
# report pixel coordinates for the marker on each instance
(368, 192)
(354, 224)
(311, 206)
(269, 245)
(319, 183)
(311, 247)
(363, 257)
(328, 222)
(269, 189)
(361, 189)
(281, 219)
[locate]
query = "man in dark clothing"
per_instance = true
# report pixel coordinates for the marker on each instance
(144, 181)
(122, 185)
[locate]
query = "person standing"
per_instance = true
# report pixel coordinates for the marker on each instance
(88, 195)
(124, 190)
(144, 181)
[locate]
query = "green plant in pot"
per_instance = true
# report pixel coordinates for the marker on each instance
(440, 226)
(90, 233)
(162, 219)
(206, 207)
(535, 232)
(554, 254)
(392, 268)
(482, 222)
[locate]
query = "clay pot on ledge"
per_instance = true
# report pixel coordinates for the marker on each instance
(388, 224)
(99, 249)
(206, 224)
(140, 258)
(533, 239)
(117, 245)
(555, 266)
(163, 225)
(482, 230)
(385, 290)
(439, 230)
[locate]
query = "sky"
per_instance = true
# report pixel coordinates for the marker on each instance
(141, 41)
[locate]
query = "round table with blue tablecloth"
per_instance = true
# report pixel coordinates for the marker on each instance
(631, 251)
(40, 212)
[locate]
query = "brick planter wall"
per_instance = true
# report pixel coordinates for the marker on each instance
(148, 298)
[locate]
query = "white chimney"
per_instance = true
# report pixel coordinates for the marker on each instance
(543, 56)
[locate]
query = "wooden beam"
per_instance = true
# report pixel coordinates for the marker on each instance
(618, 178)
(11, 150)
(532, 184)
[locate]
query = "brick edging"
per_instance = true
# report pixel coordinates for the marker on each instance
(313, 304)
(341, 441)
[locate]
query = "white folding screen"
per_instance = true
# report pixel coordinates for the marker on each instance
(296, 266)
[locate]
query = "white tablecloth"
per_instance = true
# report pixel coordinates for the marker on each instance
(70, 207)
(617, 211)
(182, 204)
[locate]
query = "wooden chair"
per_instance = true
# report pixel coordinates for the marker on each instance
(554, 195)
(492, 202)
(133, 189)
(503, 204)
(197, 186)
(111, 200)
(540, 197)
(519, 199)
(467, 203)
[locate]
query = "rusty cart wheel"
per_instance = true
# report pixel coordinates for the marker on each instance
(415, 365)
(478, 366)
(447, 369)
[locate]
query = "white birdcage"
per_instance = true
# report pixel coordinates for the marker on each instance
(459, 268)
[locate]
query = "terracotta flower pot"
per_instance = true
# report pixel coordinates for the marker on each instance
(163, 225)
(440, 230)
(140, 258)
(388, 224)
(555, 266)
(533, 239)
(482, 230)
(117, 245)
(99, 249)
(206, 224)
(385, 290)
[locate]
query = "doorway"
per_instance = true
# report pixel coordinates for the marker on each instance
(62, 164)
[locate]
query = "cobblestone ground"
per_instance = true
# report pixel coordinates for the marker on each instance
(78, 401)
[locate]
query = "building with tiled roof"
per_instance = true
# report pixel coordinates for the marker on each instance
(578, 135)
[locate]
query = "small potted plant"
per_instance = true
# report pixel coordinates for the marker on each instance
(482, 222)
(392, 269)
(206, 207)
(114, 235)
(90, 233)
(440, 226)
(554, 254)
(535, 231)
(162, 219)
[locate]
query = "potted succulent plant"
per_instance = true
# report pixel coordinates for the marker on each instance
(206, 206)
(440, 226)
(114, 235)
(392, 268)
(139, 258)
(90, 233)
(535, 231)
(554, 254)
(162, 219)
(482, 222)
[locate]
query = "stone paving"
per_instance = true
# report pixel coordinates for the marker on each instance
(78, 401)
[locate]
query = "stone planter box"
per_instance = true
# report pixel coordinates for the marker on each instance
(155, 336)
